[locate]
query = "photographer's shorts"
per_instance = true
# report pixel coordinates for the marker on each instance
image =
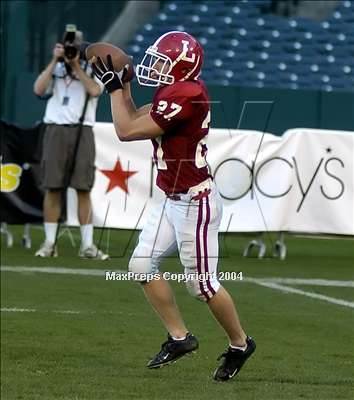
(60, 167)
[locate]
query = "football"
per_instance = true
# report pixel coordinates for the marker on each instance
(119, 57)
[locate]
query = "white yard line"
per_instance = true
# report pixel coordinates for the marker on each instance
(74, 312)
(14, 309)
(313, 295)
(324, 237)
(303, 281)
(56, 270)
(29, 310)
(102, 272)
(270, 282)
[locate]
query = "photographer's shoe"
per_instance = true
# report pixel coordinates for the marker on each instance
(47, 250)
(233, 360)
(94, 253)
(172, 350)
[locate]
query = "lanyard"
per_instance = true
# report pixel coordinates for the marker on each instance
(68, 80)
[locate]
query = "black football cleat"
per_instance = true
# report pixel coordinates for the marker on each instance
(172, 350)
(233, 360)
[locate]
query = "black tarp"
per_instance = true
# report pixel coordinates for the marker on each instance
(21, 196)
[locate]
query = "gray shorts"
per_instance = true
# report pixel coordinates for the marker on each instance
(58, 158)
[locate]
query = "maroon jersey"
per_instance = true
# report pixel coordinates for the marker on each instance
(182, 111)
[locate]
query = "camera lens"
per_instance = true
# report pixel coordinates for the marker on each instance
(70, 52)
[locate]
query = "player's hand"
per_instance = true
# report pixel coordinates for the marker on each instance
(111, 79)
(58, 51)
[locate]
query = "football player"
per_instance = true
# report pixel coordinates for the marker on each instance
(177, 122)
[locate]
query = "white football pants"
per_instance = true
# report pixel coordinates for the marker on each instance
(191, 226)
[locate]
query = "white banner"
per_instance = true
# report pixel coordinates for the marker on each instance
(302, 181)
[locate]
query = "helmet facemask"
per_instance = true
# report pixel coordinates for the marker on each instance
(154, 69)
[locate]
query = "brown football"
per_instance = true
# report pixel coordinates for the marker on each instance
(119, 57)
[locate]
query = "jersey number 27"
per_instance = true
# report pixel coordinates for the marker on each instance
(200, 152)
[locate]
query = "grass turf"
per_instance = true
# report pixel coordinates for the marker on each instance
(99, 350)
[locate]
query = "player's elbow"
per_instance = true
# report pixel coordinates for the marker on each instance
(125, 133)
(123, 136)
(126, 138)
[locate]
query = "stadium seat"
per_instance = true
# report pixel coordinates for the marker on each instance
(245, 46)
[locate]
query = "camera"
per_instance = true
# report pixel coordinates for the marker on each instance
(73, 43)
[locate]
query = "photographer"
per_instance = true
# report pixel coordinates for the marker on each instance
(68, 147)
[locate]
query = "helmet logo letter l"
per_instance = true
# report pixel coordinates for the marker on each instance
(184, 56)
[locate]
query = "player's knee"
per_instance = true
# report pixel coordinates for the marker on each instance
(194, 290)
(143, 263)
(202, 289)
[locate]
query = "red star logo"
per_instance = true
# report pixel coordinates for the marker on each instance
(118, 177)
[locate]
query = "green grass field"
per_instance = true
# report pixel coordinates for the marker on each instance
(69, 336)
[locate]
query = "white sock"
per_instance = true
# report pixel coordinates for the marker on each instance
(50, 229)
(86, 235)
(238, 347)
(180, 338)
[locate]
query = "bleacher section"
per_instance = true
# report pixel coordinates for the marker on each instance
(246, 47)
